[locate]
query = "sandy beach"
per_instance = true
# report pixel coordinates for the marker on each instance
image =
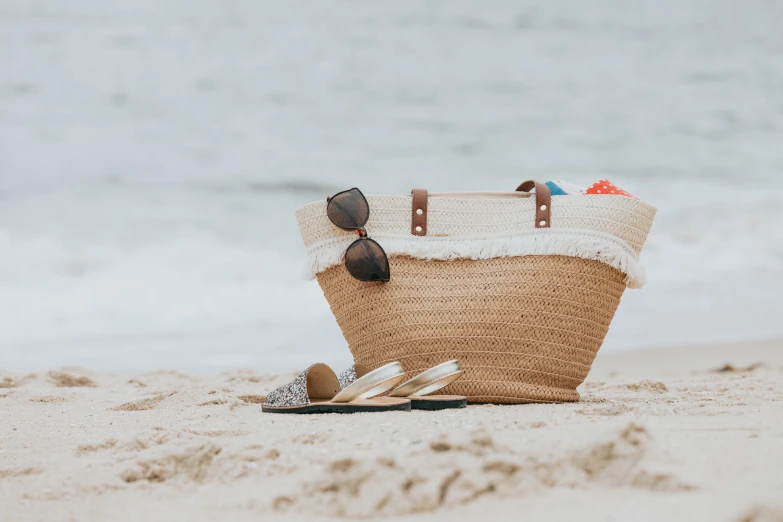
(675, 434)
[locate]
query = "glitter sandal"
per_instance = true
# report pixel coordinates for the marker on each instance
(423, 384)
(318, 390)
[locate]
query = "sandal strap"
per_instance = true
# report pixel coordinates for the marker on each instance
(347, 377)
(373, 384)
(292, 394)
(430, 380)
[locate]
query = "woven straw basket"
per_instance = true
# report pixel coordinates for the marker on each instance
(522, 297)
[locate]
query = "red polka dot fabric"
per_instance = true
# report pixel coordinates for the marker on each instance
(605, 186)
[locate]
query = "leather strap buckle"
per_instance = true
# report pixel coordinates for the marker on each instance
(419, 212)
(543, 202)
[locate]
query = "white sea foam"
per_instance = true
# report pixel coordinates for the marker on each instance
(715, 268)
(191, 302)
(182, 284)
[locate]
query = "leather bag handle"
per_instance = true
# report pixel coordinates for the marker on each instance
(419, 212)
(543, 201)
(543, 206)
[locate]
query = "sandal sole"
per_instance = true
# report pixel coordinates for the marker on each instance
(337, 408)
(430, 405)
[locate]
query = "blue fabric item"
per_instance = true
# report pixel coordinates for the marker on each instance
(558, 187)
(555, 189)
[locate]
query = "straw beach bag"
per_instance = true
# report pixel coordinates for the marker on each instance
(519, 287)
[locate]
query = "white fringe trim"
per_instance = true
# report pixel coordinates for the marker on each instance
(580, 243)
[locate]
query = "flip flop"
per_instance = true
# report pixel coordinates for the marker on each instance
(419, 388)
(317, 390)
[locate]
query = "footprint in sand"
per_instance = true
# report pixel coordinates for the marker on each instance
(252, 399)
(647, 386)
(21, 472)
(14, 382)
(763, 513)
(48, 399)
(158, 437)
(271, 454)
(8, 382)
(730, 368)
(189, 464)
(68, 380)
(311, 438)
(609, 410)
(84, 449)
(214, 402)
(217, 433)
(460, 470)
(246, 376)
(143, 404)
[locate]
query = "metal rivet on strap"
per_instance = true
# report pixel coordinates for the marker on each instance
(419, 212)
(418, 229)
(543, 207)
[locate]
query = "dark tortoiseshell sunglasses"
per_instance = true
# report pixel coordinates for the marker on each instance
(365, 259)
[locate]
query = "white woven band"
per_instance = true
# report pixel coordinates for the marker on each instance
(609, 229)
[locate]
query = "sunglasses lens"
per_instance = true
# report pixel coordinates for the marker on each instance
(366, 261)
(348, 210)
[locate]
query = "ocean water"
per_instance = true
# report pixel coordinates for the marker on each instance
(152, 155)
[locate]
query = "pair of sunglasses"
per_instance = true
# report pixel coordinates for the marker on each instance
(365, 259)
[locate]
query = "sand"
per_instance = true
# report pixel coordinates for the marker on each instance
(687, 434)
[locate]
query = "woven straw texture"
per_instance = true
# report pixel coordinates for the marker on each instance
(525, 329)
